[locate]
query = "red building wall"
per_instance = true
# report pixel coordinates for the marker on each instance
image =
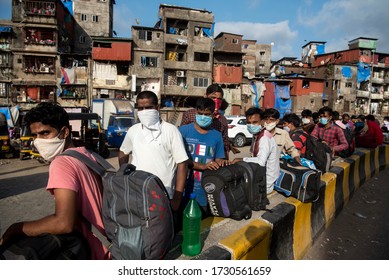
(269, 96)
(119, 51)
(297, 89)
(227, 74)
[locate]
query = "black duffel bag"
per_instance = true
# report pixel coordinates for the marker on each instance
(70, 246)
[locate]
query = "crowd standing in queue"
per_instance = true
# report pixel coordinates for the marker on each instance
(178, 156)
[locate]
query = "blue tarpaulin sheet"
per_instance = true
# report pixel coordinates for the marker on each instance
(346, 72)
(363, 72)
(5, 29)
(69, 6)
(254, 86)
(320, 49)
(283, 103)
(282, 91)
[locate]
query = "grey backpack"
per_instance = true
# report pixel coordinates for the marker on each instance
(137, 216)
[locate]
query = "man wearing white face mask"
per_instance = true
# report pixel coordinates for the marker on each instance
(77, 190)
(284, 142)
(264, 149)
(157, 147)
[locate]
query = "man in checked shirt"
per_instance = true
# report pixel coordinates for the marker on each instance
(326, 131)
(215, 92)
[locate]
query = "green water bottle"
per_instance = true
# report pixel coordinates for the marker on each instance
(191, 244)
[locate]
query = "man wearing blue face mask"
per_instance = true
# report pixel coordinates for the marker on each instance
(264, 149)
(205, 149)
(156, 147)
(329, 133)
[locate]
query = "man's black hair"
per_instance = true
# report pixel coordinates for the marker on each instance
(315, 117)
(148, 95)
(293, 119)
(271, 113)
(335, 115)
(361, 117)
(325, 109)
(306, 113)
(48, 113)
(345, 115)
(205, 103)
(370, 117)
(214, 88)
(253, 111)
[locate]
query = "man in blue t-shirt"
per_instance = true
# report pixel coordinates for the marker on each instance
(205, 149)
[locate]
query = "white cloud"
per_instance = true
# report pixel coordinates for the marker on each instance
(343, 20)
(265, 33)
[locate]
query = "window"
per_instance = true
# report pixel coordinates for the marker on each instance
(4, 59)
(147, 61)
(245, 46)
(305, 84)
(145, 35)
(200, 82)
(95, 18)
(235, 41)
(244, 61)
(38, 64)
(39, 36)
(82, 39)
(3, 91)
(41, 8)
(348, 84)
(204, 57)
(84, 17)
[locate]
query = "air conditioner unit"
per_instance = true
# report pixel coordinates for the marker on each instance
(180, 73)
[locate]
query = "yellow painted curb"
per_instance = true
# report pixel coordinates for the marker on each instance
(252, 242)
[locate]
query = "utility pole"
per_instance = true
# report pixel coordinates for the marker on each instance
(370, 82)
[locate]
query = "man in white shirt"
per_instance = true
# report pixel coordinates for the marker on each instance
(157, 147)
(264, 149)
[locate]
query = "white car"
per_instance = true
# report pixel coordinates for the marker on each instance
(237, 131)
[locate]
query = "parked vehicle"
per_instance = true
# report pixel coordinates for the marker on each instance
(117, 117)
(86, 131)
(237, 131)
(5, 142)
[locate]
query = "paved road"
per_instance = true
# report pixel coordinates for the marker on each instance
(361, 231)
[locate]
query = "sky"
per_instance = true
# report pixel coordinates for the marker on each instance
(286, 24)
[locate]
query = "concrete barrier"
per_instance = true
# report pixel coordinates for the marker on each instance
(289, 229)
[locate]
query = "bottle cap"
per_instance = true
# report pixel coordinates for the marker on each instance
(192, 196)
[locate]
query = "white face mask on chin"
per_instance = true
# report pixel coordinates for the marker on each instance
(270, 126)
(149, 118)
(49, 148)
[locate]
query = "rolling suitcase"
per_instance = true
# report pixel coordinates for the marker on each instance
(255, 185)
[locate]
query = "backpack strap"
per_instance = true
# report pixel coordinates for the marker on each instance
(100, 167)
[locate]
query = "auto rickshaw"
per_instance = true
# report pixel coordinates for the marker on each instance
(5, 141)
(86, 131)
(26, 140)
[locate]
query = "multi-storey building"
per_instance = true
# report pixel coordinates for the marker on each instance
(111, 61)
(356, 80)
(43, 29)
(188, 53)
(6, 34)
(93, 17)
(147, 68)
(227, 69)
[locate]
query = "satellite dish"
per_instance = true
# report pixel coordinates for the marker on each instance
(315, 53)
(273, 75)
(301, 64)
(322, 62)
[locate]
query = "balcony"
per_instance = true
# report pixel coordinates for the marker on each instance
(377, 80)
(363, 94)
(378, 96)
(386, 94)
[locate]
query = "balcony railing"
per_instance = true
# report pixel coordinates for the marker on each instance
(386, 94)
(379, 96)
(363, 94)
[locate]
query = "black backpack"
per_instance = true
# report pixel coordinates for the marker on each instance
(349, 134)
(137, 216)
(317, 151)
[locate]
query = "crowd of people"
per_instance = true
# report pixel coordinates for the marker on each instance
(178, 155)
